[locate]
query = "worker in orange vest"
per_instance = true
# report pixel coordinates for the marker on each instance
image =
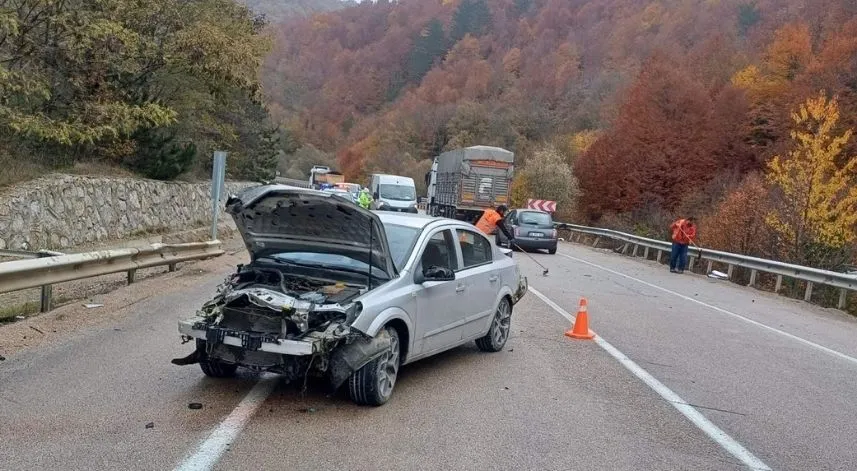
(491, 220)
(683, 234)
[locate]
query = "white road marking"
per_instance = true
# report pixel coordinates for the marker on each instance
(706, 426)
(210, 451)
(804, 341)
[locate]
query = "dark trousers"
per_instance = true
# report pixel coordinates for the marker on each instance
(678, 257)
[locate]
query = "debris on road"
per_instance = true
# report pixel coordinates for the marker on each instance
(718, 275)
(150, 425)
(93, 305)
(2, 358)
(194, 405)
(308, 410)
(36, 329)
(20, 318)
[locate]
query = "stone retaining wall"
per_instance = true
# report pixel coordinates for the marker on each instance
(62, 211)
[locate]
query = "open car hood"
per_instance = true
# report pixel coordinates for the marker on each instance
(281, 218)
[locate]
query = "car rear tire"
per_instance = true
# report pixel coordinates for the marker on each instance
(214, 368)
(372, 385)
(498, 334)
(552, 250)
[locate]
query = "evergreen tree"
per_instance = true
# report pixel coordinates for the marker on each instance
(429, 45)
(471, 17)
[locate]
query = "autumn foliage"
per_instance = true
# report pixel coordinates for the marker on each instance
(659, 108)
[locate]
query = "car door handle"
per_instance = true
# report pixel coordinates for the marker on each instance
(459, 289)
(493, 278)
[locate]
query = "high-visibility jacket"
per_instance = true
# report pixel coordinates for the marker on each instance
(488, 222)
(683, 231)
(364, 200)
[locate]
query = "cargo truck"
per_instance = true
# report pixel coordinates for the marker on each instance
(462, 183)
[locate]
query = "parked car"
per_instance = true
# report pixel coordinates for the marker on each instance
(533, 230)
(340, 292)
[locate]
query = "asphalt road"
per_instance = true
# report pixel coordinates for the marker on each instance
(82, 397)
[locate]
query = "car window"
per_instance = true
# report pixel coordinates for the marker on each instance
(440, 251)
(401, 240)
(512, 217)
(535, 218)
(475, 249)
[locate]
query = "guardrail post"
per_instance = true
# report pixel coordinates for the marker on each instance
(729, 271)
(660, 254)
(710, 266)
(753, 278)
(779, 284)
(171, 267)
(807, 296)
(634, 253)
(132, 275)
(595, 244)
(646, 253)
(843, 298)
(47, 291)
(45, 300)
(690, 262)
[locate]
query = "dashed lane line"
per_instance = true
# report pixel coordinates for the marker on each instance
(804, 341)
(700, 421)
(210, 451)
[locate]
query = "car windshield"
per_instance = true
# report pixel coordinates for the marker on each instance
(534, 218)
(327, 260)
(401, 240)
(397, 192)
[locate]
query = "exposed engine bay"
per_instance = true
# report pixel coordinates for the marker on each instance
(262, 303)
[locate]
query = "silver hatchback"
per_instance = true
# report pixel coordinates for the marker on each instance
(336, 291)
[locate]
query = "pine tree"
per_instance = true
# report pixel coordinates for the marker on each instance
(429, 45)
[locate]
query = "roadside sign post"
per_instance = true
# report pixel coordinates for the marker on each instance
(218, 175)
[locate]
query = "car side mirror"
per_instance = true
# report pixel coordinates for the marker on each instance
(434, 273)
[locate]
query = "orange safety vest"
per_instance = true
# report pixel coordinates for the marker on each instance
(683, 231)
(488, 222)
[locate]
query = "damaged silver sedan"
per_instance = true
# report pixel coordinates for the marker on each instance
(336, 291)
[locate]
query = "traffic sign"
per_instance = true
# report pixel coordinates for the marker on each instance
(542, 205)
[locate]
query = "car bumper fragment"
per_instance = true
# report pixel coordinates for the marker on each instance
(199, 329)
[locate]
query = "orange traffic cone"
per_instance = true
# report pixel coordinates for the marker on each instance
(580, 328)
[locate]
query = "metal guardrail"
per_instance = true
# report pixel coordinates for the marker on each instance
(51, 269)
(812, 276)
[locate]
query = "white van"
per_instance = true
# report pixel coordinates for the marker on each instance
(394, 193)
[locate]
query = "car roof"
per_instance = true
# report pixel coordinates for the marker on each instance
(528, 210)
(417, 221)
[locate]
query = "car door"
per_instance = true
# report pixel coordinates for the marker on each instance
(439, 303)
(481, 281)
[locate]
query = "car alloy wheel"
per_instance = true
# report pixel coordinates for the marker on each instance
(498, 334)
(373, 384)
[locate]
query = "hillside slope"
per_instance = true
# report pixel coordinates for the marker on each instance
(277, 11)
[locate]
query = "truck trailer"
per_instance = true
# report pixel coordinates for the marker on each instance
(462, 183)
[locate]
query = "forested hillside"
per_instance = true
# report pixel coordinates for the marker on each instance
(150, 87)
(276, 11)
(661, 108)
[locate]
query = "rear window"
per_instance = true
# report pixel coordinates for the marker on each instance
(534, 218)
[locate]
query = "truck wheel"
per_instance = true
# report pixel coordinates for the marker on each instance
(373, 384)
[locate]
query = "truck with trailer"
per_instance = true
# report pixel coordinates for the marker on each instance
(462, 183)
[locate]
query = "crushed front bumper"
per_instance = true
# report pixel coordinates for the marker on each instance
(199, 328)
(523, 286)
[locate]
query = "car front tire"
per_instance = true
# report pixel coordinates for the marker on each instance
(498, 334)
(372, 385)
(214, 368)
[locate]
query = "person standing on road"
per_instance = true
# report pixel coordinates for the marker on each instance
(492, 220)
(683, 234)
(364, 199)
